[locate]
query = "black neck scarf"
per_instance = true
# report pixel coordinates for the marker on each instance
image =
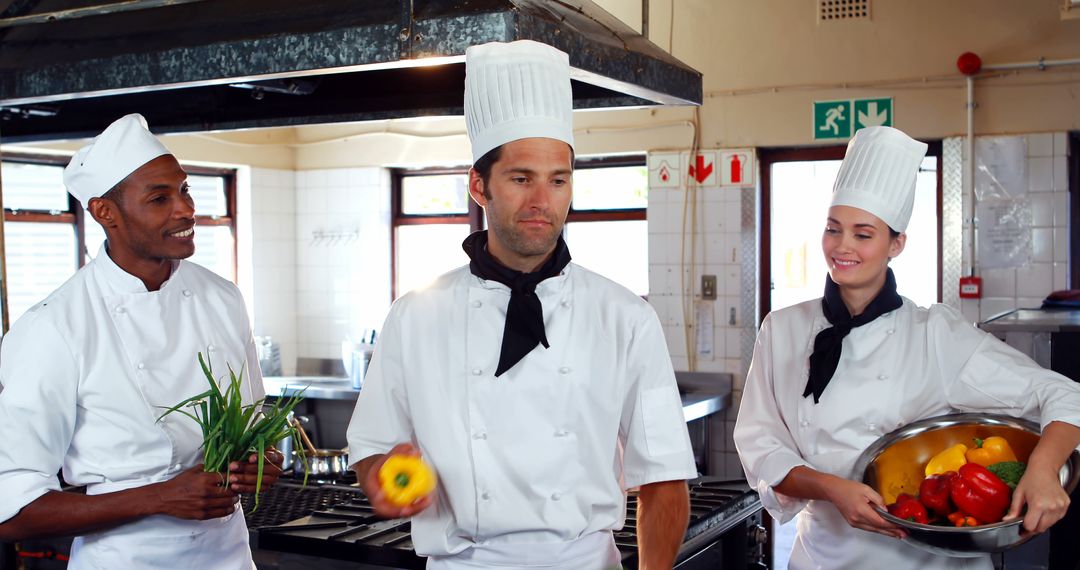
(524, 327)
(828, 343)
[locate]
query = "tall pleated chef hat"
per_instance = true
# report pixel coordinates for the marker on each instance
(514, 91)
(878, 174)
(118, 151)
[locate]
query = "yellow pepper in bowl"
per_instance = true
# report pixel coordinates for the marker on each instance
(406, 479)
(949, 460)
(989, 451)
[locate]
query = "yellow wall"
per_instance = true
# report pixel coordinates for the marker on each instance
(764, 63)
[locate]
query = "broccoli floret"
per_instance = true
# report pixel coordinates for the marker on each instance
(1009, 471)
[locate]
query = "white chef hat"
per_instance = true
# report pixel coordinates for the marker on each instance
(514, 91)
(878, 174)
(118, 151)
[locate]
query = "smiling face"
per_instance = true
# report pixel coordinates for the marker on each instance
(526, 199)
(150, 216)
(857, 247)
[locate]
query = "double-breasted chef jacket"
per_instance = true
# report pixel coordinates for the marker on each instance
(906, 365)
(537, 460)
(87, 372)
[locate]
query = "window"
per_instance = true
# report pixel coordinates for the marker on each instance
(608, 212)
(433, 214)
(48, 235)
(797, 187)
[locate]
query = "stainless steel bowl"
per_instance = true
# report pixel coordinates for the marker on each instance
(896, 463)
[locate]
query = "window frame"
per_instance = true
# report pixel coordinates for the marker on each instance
(769, 156)
(475, 215)
(76, 216)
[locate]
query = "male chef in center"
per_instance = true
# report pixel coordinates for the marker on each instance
(539, 392)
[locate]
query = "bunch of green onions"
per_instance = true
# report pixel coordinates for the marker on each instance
(233, 431)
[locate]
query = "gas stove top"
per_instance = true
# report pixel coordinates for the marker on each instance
(336, 521)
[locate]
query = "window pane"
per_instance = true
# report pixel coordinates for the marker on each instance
(590, 246)
(214, 250)
(426, 251)
(615, 188)
(801, 192)
(34, 187)
(434, 195)
(208, 192)
(40, 257)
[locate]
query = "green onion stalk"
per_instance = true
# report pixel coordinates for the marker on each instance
(233, 431)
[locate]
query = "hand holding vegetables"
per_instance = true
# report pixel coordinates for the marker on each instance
(234, 432)
(193, 494)
(244, 475)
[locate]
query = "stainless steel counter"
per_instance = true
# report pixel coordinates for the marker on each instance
(697, 404)
(1030, 320)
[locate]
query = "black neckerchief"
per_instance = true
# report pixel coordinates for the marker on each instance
(828, 343)
(524, 327)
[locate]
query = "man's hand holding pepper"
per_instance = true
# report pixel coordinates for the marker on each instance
(244, 476)
(367, 472)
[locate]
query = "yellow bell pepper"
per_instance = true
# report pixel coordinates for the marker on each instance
(949, 460)
(406, 479)
(989, 451)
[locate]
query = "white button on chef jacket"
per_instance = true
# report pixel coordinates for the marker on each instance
(606, 378)
(84, 384)
(939, 363)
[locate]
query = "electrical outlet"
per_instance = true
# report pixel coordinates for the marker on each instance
(708, 287)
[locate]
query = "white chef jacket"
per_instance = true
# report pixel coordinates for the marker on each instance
(906, 365)
(87, 372)
(537, 460)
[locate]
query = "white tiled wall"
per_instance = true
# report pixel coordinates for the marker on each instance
(718, 252)
(342, 247)
(1007, 289)
(273, 226)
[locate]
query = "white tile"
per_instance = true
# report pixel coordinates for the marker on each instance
(1042, 209)
(1061, 276)
(970, 309)
(1061, 209)
(337, 178)
(673, 223)
(999, 282)
(1061, 144)
(1030, 302)
(656, 217)
(319, 178)
(657, 281)
(1061, 245)
(732, 342)
(1040, 144)
(732, 280)
(1061, 173)
(1042, 245)
(1035, 281)
(991, 306)
(734, 243)
(732, 219)
(676, 341)
(1041, 174)
(657, 249)
(713, 220)
(301, 178)
(731, 308)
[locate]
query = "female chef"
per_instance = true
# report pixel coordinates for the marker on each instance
(832, 375)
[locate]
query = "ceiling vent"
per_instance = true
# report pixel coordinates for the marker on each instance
(832, 10)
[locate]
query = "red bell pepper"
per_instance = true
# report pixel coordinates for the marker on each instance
(908, 508)
(980, 493)
(934, 492)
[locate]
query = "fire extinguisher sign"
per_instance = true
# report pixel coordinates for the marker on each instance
(737, 167)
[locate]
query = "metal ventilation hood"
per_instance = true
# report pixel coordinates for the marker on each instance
(69, 67)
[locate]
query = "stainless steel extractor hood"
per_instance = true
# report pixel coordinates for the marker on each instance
(69, 67)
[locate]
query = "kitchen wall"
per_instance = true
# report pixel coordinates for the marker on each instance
(1048, 270)
(342, 256)
(273, 252)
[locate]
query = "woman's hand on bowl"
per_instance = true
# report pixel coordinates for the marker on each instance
(856, 501)
(1040, 489)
